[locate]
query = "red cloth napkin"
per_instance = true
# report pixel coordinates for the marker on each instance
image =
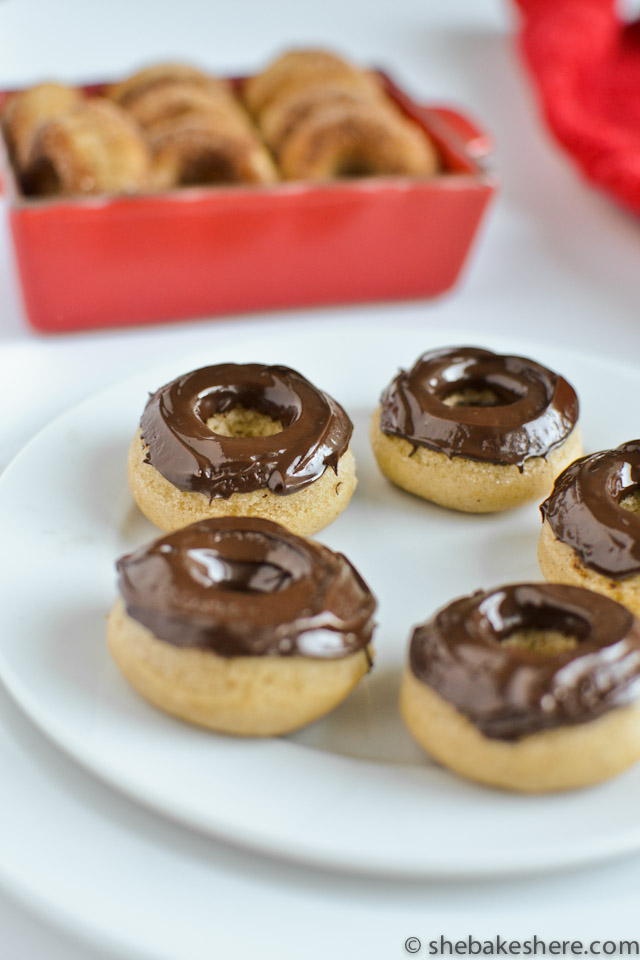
(586, 64)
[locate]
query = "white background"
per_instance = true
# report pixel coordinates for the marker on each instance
(556, 262)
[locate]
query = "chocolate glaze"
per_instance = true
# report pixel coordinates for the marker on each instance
(535, 412)
(241, 586)
(508, 692)
(316, 431)
(584, 510)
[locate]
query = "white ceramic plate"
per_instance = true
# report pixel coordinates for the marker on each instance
(352, 791)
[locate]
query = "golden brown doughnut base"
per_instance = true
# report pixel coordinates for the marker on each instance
(305, 512)
(561, 564)
(468, 485)
(249, 696)
(562, 759)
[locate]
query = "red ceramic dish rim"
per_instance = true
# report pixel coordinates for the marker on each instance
(451, 145)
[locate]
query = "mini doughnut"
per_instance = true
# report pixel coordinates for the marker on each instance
(26, 110)
(530, 687)
(326, 118)
(242, 440)
(208, 148)
(170, 100)
(96, 148)
(476, 431)
(196, 128)
(591, 525)
(281, 117)
(293, 69)
(240, 626)
(356, 138)
(160, 75)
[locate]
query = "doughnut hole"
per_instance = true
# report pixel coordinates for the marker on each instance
(243, 422)
(355, 165)
(631, 500)
(206, 168)
(543, 630)
(43, 179)
(548, 643)
(477, 393)
(209, 167)
(472, 397)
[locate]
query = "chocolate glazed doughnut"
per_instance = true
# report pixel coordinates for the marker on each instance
(531, 687)
(239, 625)
(242, 440)
(475, 430)
(591, 525)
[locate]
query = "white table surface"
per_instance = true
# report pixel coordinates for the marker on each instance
(556, 261)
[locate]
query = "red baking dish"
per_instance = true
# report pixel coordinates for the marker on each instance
(192, 252)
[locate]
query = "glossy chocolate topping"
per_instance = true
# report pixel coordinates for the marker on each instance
(316, 431)
(507, 409)
(584, 510)
(509, 691)
(240, 586)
